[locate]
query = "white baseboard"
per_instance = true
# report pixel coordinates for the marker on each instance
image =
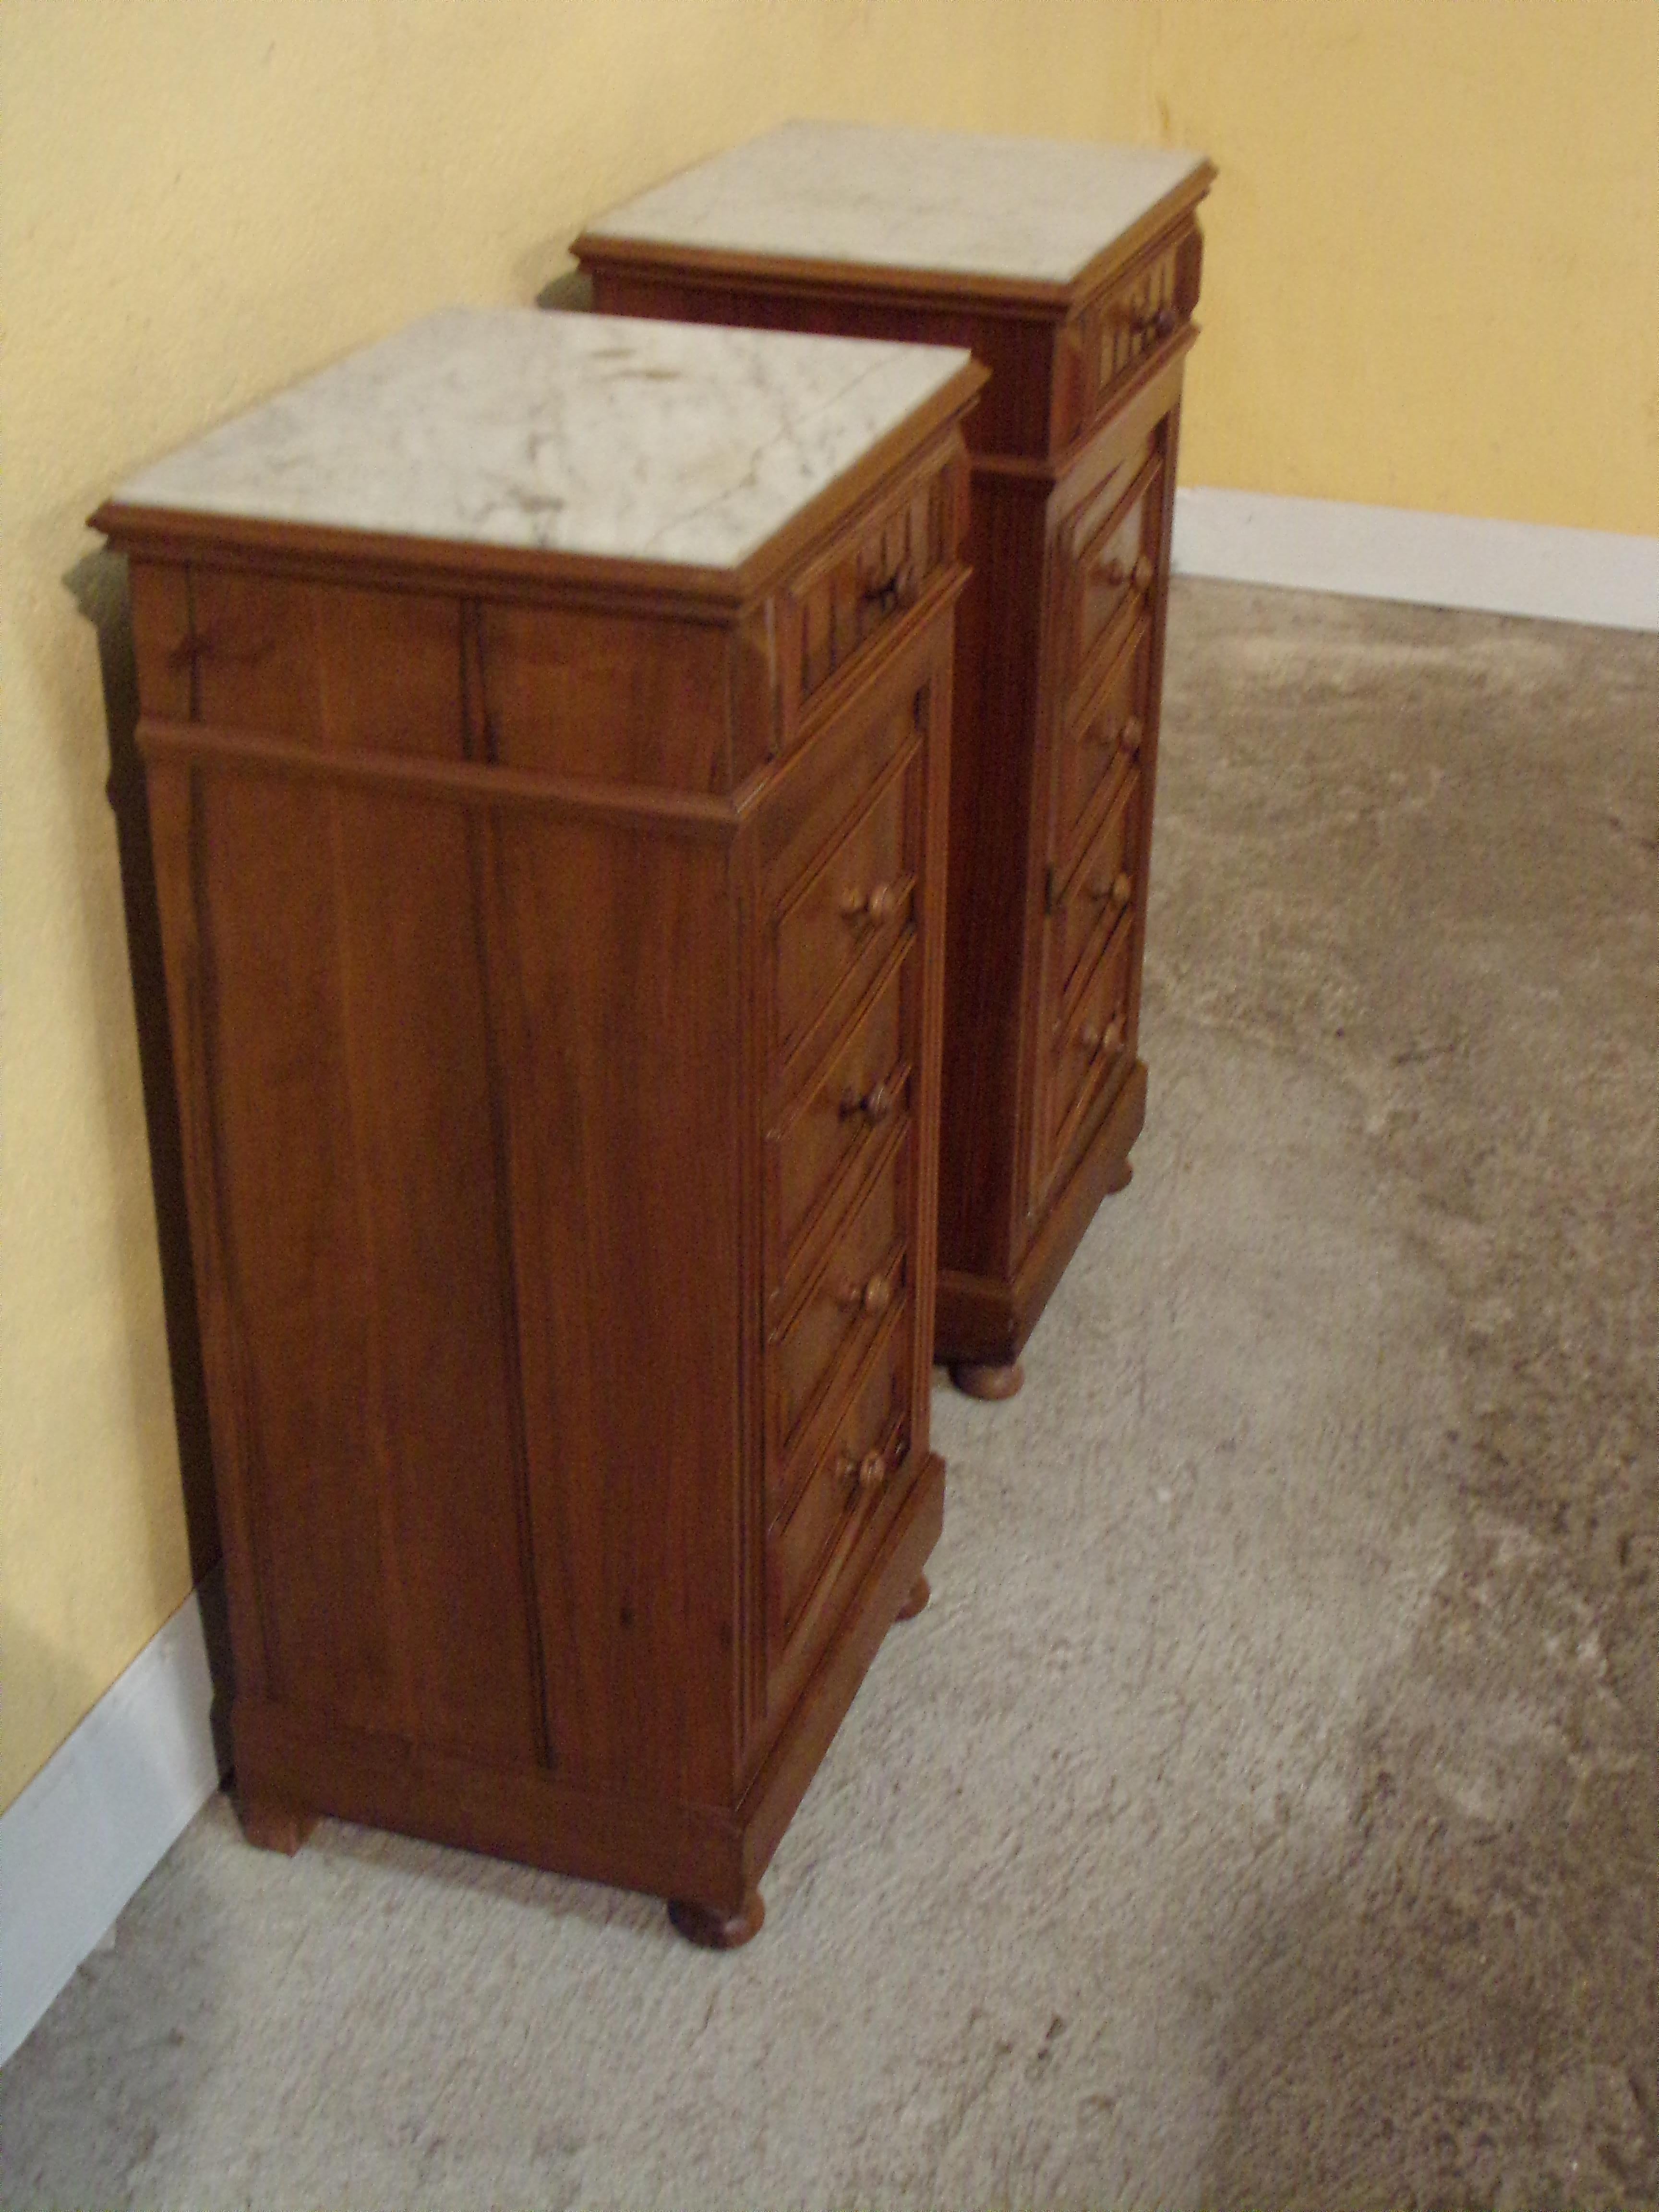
(1596, 576)
(105, 1810)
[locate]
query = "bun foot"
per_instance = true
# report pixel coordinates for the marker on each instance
(272, 1825)
(921, 1591)
(715, 1930)
(1121, 1177)
(975, 1380)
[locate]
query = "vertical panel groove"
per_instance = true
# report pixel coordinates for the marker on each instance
(394, 1566)
(205, 1018)
(483, 858)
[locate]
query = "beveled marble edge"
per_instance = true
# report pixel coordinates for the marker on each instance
(1029, 210)
(586, 434)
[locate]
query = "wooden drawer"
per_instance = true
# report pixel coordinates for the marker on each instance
(1088, 1048)
(850, 909)
(841, 1306)
(1112, 569)
(1127, 325)
(866, 578)
(1086, 910)
(813, 1155)
(1109, 731)
(865, 1449)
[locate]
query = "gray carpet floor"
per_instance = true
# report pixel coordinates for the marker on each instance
(1265, 1809)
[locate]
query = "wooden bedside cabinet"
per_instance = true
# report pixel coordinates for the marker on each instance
(545, 723)
(1072, 272)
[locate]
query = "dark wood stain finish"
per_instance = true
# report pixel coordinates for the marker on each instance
(567, 1354)
(1058, 679)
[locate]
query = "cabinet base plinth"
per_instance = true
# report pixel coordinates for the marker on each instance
(714, 1930)
(921, 1591)
(977, 1378)
(708, 1859)
(984, 1319)
(271, 1825)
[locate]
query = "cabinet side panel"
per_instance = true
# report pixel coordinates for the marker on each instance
(356, 1162)
(993, 748)
(161, 635)
(173, 795)
(614, 958)
(327, 665)
(611, 696)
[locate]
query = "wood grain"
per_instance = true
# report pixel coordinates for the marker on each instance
(1074, 449)
(510, 933)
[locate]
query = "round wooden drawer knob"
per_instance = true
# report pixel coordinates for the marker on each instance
(875, 1103)
(1115, 572)
(885, 596)
(869, 1473)
(1133, 731)
(1121, 888)
(878, 904)
(871, 1297)
(1100, 1044)
(1142, 573)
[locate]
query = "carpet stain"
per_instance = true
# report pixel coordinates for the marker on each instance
(1466, 2008)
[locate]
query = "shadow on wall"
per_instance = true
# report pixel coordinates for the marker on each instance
(99, 586)
(570, 294)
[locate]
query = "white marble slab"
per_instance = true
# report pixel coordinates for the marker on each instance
(1023, 208)
(574, 433)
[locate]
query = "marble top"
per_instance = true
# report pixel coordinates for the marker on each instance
(565, 433)
(1031, 209)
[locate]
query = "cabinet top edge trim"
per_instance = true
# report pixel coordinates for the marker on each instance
(717, 595)
(608, 438)
(1040, 298)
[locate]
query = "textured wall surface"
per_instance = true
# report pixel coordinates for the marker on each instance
(1433, 281)
(1433, 270)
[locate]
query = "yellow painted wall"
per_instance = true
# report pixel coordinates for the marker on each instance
(1433, 281)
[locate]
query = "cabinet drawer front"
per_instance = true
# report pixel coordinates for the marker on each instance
(843, 1304)
(1109, 731)
(1102, 889)
(868, 579)
(1125, 330)
(1134, 320)
(1114, 572)
(865, 1452)
(1090, 1047)
(850, 910)
(837, 1120)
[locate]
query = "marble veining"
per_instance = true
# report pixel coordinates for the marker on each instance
(1032, 208)
(574, 433)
